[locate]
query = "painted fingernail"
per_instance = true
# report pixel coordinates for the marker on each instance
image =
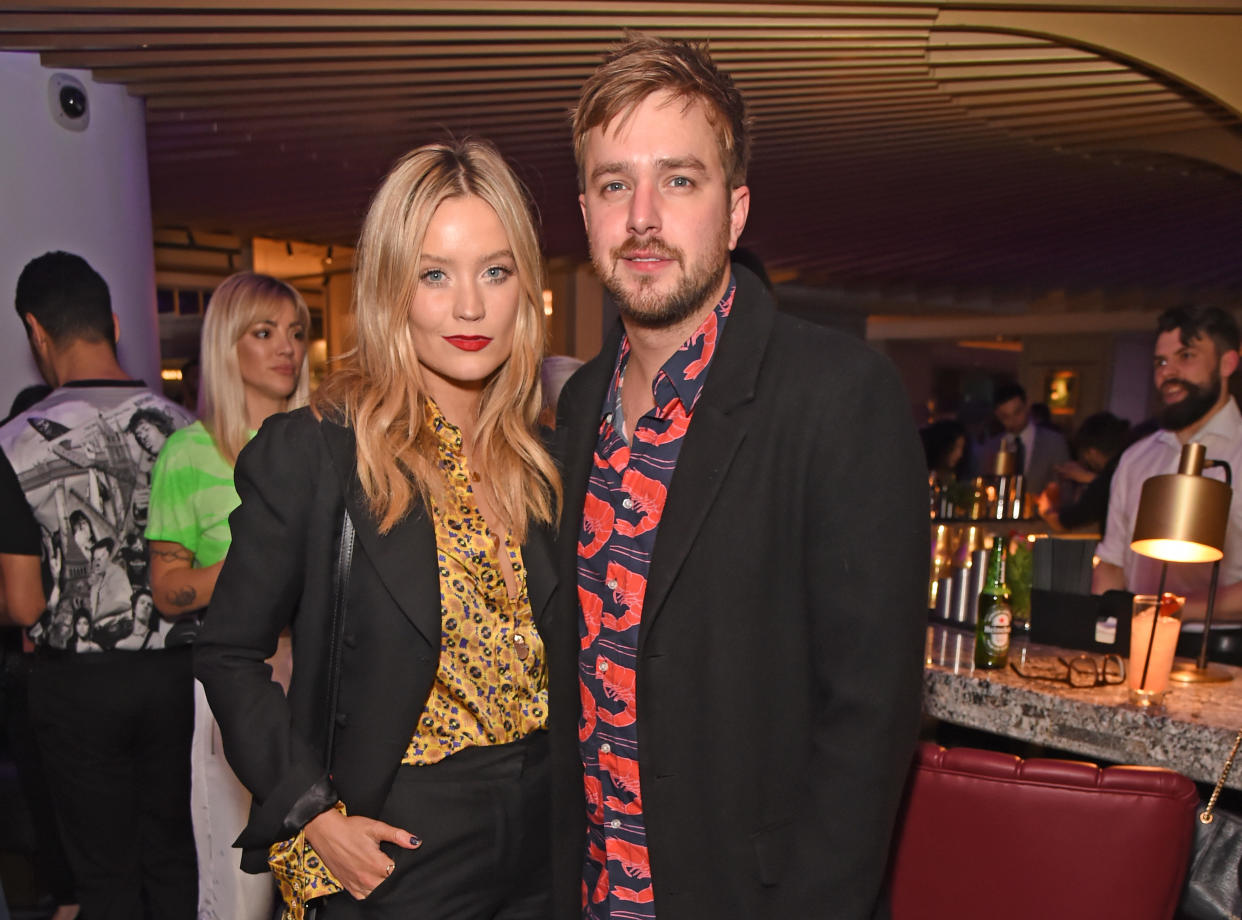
(416, 841)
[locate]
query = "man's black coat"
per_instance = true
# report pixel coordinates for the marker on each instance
(779, 659)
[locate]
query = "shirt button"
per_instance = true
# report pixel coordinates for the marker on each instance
(605, 748)
(602, 666)
(611, 584)
(614, 823)
(627, 503)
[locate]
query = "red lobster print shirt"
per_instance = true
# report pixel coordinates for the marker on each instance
(624, 502)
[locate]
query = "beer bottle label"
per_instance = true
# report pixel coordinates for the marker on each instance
(996, 629)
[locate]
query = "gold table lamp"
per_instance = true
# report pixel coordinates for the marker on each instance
(1183, 517)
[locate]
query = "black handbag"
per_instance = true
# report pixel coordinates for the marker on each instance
(1212, 885)
(344, 561)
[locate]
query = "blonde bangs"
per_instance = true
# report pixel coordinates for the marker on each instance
(379, 389)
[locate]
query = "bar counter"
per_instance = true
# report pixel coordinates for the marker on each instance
(1191, 734)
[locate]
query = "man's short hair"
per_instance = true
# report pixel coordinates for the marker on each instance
(1006, 392)
(1107, 433)
(68, 298)
(105, 543)
(645, 64)
(1194, 320)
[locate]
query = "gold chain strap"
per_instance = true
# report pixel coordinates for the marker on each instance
(1206, 816)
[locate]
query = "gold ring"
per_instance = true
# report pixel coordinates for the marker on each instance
(391, 866)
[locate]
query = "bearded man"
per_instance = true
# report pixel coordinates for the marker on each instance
(743, 498)
(1196, 352)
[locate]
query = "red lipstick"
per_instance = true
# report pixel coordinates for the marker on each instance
(468, 342)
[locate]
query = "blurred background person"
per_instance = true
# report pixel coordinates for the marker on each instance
(1098, 446)
(426, 437)
(1039, 450)
(553, 373)
(944, 447)
(1195, 354)
(113, 726)
(254, 365)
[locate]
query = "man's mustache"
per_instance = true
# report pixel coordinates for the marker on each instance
(1179, 382)
(653, 246)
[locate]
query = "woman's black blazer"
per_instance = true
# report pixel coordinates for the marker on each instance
(295, 479)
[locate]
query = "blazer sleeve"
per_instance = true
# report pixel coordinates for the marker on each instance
(866, 576)
(281, 519)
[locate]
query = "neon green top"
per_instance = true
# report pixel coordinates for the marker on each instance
(192, 495)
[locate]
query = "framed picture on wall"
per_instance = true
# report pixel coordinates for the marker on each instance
(1061, 392)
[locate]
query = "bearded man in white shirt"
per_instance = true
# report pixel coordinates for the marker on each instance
(1196, 352)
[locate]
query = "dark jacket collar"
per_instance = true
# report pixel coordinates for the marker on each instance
(735, 367)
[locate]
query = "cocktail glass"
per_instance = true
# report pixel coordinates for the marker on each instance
(1151, 652)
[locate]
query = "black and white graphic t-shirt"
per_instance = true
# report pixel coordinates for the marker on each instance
(83, 458)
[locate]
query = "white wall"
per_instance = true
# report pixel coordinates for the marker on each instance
(85, 193)
(1131, 389)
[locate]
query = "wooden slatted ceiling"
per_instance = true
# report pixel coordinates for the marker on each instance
(889, 153)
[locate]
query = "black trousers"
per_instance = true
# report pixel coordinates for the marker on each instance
(51, 864)
(483, 816)
(113, 729)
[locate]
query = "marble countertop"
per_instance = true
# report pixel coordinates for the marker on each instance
(1192, 733)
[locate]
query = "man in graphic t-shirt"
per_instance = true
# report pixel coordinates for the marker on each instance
(112, 719)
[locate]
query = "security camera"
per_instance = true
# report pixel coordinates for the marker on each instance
(67, 100)
(72, 101)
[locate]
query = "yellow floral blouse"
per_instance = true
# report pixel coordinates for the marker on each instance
(491, 681)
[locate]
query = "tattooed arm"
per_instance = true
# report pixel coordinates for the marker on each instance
(176, 585)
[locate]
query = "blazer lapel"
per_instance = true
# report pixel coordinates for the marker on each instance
(540, 570)
(715, 434)
(405, 557)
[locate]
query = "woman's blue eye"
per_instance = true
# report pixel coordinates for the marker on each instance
(434, 275)
(497, 273)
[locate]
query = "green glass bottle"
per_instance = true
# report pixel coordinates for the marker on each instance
(995, 613)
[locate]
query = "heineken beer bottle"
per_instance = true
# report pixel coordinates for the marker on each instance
(995, 614)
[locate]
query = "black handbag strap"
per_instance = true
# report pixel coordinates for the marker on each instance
(344, 560)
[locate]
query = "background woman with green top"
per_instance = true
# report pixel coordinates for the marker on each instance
(253, 366)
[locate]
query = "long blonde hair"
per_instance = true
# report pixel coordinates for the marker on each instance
(379, 389)
(240, 301)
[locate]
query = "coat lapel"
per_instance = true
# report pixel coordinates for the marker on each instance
(715, 434)
(404, 558)
(540, 571)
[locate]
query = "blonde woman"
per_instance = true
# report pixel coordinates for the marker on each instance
(254, 365)
(433, 800)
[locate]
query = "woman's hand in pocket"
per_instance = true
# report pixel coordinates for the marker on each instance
(349, 847)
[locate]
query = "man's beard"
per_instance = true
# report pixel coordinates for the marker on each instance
(1198, 402)
(648, 309)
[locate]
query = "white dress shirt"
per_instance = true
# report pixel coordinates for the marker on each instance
(1156, 455)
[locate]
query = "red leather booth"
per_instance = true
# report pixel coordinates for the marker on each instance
(990, 836)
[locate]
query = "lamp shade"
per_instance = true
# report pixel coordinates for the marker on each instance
(1183, 516)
